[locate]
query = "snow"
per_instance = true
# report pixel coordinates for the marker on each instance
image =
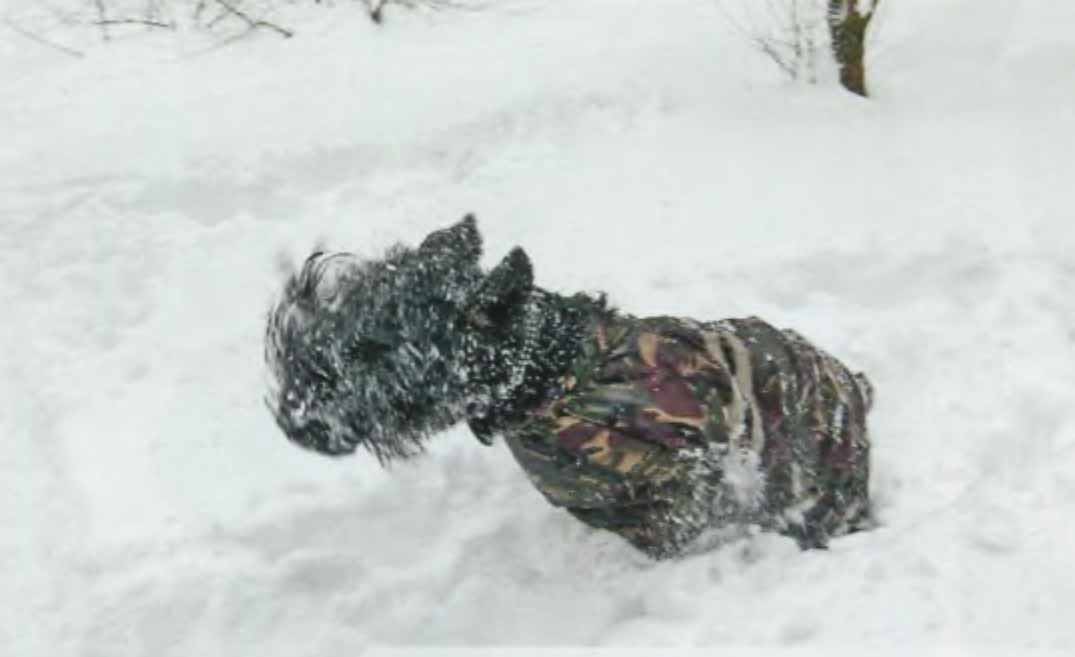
(149, 190)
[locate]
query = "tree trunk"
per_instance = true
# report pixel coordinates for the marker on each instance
(847, 27)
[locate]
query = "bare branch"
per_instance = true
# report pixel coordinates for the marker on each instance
(101, 19)
(376, 7)
(216, 19)
(254, 23)
(777, 58)
(137, 21)
(42, 41)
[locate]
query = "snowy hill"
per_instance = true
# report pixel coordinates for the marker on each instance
(149, 190)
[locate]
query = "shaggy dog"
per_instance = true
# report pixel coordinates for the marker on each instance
(657, 429)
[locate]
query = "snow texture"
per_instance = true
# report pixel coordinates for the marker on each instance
(150, 506)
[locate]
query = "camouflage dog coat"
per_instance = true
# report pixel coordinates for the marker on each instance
(657, 429)
(664, 427)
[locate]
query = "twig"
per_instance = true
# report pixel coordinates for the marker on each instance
(44, 42)
(252, 23)
(216, 19)
(224, 43)
(102, 21)
(375, 8)
(767, 48)
(137, 21)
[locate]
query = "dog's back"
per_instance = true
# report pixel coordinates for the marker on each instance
(666, 427)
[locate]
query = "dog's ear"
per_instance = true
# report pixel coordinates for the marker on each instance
(460, 240)
(503, 292)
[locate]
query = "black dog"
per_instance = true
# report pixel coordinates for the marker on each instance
(654, 428)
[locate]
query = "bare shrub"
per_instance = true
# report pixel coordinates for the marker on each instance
(789, 32)
(70, 26)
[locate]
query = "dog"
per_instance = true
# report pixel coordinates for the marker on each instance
(661, 429)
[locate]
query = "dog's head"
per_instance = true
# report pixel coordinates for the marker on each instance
(369, 353)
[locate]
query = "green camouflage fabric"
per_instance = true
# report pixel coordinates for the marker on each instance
(666, 428)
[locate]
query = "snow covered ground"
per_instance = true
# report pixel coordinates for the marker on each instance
(149, 190)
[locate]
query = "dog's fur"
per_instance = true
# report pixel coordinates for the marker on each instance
(384, 353)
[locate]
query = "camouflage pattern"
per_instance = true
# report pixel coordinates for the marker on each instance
(666, 427)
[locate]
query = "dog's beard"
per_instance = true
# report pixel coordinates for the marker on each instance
(367, 354)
